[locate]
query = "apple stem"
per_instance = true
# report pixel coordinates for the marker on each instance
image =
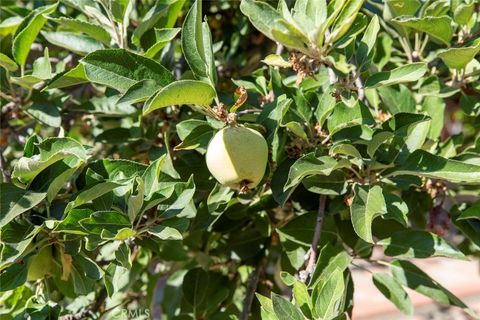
(244, 187)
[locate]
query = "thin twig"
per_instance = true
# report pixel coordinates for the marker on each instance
(311, 255)
(3, 167)
(251, 289)
(332, 76)
(279, 49)
(156, 305)
(359, 85)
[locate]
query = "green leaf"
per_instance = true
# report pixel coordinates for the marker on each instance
(95, 31)
(7, 63)
(418, 244)
(297, 129)
(284, 309)
(100, 221)
(195, 134)
(135, 201)
(345, 19)
(436, 27)
(121, 10)
(160, 15)
(163, 37)
(329, 259)
(72, 77)
(302, 298)
(409, 137)
(123, 255)
(458, 58)
(397, 99)
(345, 149)
(179, 93)
(345, 116)
(27, 31)
(470, 105)
(263, 16)
(47, 114)
(333, 10)
(182, 201)
(366, 206)
(377, 140)
(397, 209)
(328, 292)
(471, 213)
(75, 42)
(170, 229)
(195, 286)
(15, 201)
(16, 239)
(402, 7)
(409, 275)
(424, 164)
(333, 184)
(309, 165)
(13, 277)
(367, 44)
(435, 108)
(116, 278)
(393, 291)
(91, 193)
(120, 69)
(139, 92)
(9, 25)
(326, 104)
(463, 13)
(71, 224)
(159, 177)
(407, 73)
(107, 106)
(276, 60)
(197, 44)
(51, 150)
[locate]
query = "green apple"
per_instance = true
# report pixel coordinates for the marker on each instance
(40, 264)
(237, 157)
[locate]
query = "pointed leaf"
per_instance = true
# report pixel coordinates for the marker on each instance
(418, 244)
(437, 27)
(366, 206)
(179, 93)
(407, 73)
(393, 291)
(120, 69)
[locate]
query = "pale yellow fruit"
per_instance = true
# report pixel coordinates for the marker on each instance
(237, 157)
(40, 265)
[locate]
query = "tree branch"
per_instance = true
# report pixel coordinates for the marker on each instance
(3, 167)
(311, 256)
(251, 289)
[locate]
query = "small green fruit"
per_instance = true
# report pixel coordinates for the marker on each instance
(237, 157)
(40, 265)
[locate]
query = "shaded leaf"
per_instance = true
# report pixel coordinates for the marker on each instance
(393, 291)
(366, 206)
(418, 244)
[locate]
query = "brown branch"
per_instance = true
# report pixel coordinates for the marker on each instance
(251, 289)
(311, 256)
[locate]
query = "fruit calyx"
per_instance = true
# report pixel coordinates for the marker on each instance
(230, 118)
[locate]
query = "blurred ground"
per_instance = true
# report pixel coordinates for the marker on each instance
(460, 277)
